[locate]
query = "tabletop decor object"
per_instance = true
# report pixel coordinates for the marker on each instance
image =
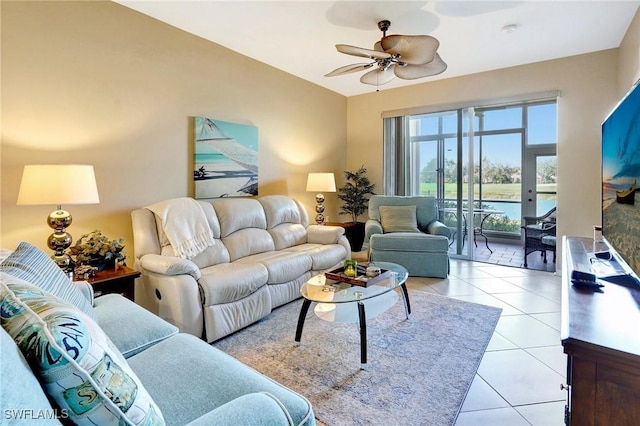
(97, 250)
(361, 277)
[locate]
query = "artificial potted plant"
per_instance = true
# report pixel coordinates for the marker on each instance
(355, 195)
(97, 250)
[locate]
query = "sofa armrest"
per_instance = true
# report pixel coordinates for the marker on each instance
(372, 227)
(169, 265)
(116, 316)
(324, 234)
(247, 410)
(439, 228)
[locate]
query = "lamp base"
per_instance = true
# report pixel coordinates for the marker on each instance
(320, 209)
(60, 240)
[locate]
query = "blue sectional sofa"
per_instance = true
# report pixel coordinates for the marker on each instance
(66, 357)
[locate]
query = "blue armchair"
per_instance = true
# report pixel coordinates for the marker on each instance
(405, 230)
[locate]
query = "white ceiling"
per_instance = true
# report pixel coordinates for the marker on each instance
(299, 36)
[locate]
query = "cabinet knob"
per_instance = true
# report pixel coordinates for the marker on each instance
(564, 387)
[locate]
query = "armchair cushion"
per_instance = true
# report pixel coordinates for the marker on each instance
(409, 242)
(73, 359)
(398, 219)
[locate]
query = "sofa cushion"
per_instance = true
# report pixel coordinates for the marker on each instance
(323, 256)
(282, 266)
(116, 314)
(20, 392)
(239, 213)
(279, 209)
(33, 265)
(288, 235)
(398, 219)
(229, 282)
(219, 378)
(245, 242)
(73, 359)
(258, 408)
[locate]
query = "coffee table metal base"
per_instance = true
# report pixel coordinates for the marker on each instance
(362, 321)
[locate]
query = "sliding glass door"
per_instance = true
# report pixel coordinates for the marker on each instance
(486, 166)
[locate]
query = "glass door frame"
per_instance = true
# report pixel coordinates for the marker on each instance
(530, 191)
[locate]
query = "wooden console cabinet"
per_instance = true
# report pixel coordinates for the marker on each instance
(601, 337)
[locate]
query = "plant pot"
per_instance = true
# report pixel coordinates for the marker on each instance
(354, 231)
(103, 264)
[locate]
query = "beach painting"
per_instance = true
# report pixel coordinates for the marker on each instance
(226, 159)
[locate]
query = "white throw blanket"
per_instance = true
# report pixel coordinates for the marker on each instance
(185, 225)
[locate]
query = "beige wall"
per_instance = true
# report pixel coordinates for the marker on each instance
(629, 54)
(588, 89)
(97, 83)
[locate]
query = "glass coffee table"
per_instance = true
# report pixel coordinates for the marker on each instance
(346, 303)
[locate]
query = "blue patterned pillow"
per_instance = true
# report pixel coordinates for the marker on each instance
(33, 265)
(75, 362)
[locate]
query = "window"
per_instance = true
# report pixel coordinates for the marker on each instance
(497, 157)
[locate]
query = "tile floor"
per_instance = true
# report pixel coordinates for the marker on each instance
(511, 255)
(518, 381)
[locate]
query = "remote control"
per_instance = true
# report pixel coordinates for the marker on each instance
(586, 284)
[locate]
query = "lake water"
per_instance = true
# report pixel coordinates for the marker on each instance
(514, 210)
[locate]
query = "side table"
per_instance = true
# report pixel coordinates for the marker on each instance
(120, 280)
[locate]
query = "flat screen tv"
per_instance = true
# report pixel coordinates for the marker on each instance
(620, 179)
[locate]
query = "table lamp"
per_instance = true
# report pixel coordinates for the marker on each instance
(58, 184)
(319, 183)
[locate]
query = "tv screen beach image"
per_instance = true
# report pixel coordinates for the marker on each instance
(620, 176)
(226, 159)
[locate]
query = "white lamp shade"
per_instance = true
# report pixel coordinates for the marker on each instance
(58, 184)
(321, 182)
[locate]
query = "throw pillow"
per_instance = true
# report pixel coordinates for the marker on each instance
(35, 266)
(398, 219)
(75, 362)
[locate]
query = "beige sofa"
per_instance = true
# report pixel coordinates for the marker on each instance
(264, 250)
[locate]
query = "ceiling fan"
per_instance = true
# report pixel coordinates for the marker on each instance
(404, 56)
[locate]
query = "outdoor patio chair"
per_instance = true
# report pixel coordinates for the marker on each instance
(540, 234)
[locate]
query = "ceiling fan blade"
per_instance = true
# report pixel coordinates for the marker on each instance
(378, 77)
(414, 50)
(412, 72)
(349, 69)
(359, 51)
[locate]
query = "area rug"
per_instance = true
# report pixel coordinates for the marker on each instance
(418, 372)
